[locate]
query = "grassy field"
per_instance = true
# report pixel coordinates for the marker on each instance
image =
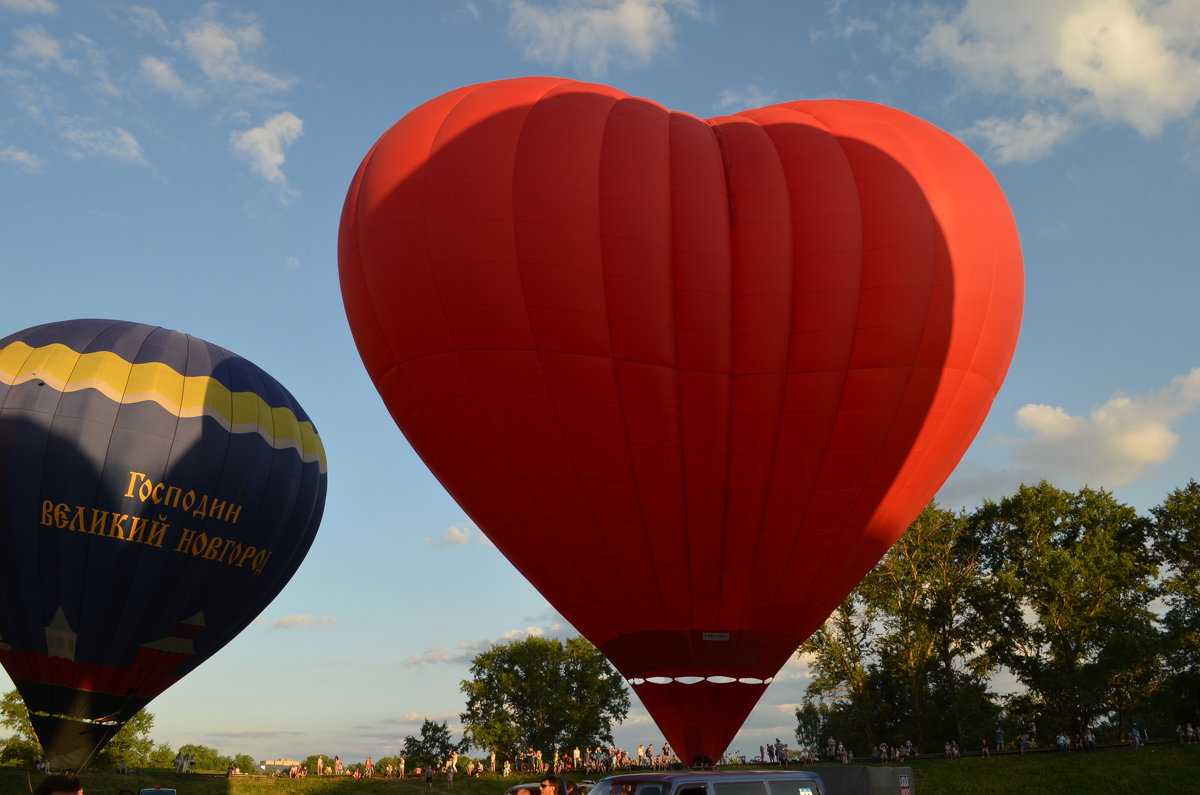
(1154, 770)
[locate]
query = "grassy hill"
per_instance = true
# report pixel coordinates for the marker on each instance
(1153, 770)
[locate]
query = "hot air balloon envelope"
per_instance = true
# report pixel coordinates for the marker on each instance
(692, 376)
(156, 492)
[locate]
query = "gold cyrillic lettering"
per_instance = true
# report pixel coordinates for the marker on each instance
(185, 540)
(173, 499)
(99, 522)
(60, 515)
(214, 548)
(233, 513)
(77, 521)
(247, 552)
(189, 499)
(156, 495)
(157, 531)
(116, 529)
(201, 510)
(137, 526)
(47, 513)
(133, 478)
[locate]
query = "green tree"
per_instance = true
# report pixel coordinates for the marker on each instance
(843, 655)
(245, 763)
(1177, 540)
(22, 747)
(432, 746)
(132, 744)
(1076, 577)
(544, 694)
(208, 759)
(163, 756)
(933, 611)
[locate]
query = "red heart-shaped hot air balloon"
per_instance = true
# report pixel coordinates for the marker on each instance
(692, 376)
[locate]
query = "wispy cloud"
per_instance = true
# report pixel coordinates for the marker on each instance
(263, 147)
(458, 536)
(222, 51)
(301, 620)
(1112, 445)
(92, 138)
(1131, 62)
(25, 161)
(245, 734)
(466, 651)
(32, 43)
(595, 33)
(29, 6)
(1021, 140)
(160, 73)
(416, 718)
(749, 97)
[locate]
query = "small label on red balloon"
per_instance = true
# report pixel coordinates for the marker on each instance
(715, 635)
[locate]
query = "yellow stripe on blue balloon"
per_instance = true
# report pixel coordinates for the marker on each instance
(124, 382)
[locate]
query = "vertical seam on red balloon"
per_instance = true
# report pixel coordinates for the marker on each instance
(615, 631)
(751, 605)
(723, 148)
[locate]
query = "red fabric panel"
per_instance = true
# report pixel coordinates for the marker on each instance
(689, 375)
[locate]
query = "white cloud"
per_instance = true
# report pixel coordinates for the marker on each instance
(292, 262)
(263, 147)
(33, 43)
(161, 74)
(148, 21)
(1021, 140)
(90, 138)
(592, 33)
(29, 6)
(458, 536)
(466, 651)
(302, 620)
(748, 98)
(1130, 61)
(26, 161)
(221, 52)
(421, 717)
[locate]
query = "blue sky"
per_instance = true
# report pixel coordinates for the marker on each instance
(184, 165)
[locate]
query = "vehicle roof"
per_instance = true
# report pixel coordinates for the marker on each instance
(709, 775)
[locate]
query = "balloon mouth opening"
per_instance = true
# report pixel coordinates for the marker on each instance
(691, 680)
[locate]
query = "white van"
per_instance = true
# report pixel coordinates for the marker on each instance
(714, 782)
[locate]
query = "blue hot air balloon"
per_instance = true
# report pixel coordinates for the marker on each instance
(156, 492)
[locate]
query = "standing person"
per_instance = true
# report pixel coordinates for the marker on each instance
(321, 765)
(337, 766)
(999, 739)
(401, 767)
(450, 773)
(494, 758)
(59, 784)
(429, 776)
(370, 767)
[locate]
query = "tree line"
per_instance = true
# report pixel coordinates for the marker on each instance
(132, 745)
(1087, 610)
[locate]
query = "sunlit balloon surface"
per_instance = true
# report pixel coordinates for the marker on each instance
(156, 492)
(692, 376)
